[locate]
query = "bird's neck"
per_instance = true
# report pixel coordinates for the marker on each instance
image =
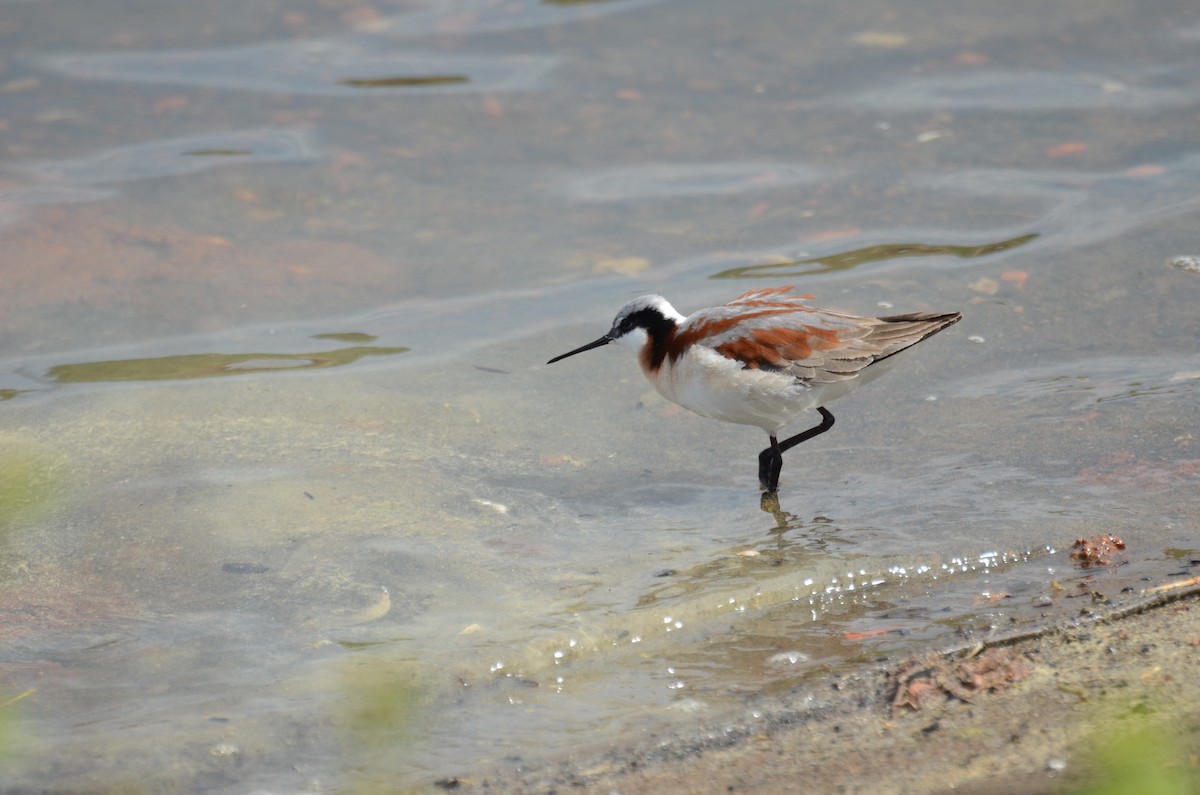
(657, 347)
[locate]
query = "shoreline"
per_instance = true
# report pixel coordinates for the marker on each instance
(1127, 673)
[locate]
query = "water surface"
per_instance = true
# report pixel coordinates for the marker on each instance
(289, 500)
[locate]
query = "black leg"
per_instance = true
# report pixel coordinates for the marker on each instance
(804, 436)
(770, 461)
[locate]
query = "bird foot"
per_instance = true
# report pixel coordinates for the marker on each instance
(770, 504)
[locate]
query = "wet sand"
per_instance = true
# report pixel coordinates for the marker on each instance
(1096, 700)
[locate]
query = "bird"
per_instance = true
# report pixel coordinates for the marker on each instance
(766, 358)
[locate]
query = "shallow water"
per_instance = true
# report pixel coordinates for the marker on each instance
(289, 500)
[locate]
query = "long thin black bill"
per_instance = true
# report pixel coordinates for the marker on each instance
(596, 344)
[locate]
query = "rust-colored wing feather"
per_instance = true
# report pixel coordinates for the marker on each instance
(774, 330)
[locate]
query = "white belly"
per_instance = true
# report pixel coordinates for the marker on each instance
(713, 386)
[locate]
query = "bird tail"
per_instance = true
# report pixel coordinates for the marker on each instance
(899, 332)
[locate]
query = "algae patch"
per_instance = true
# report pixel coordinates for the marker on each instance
(208, 365)
(30, 478)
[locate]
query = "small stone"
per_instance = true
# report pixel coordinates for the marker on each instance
(884, 39)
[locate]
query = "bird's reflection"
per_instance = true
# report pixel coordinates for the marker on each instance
(784, 520)
(791, 543)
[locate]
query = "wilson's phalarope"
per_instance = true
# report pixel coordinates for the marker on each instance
(764, 358)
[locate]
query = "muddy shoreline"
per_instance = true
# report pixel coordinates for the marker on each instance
(1090, 688)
